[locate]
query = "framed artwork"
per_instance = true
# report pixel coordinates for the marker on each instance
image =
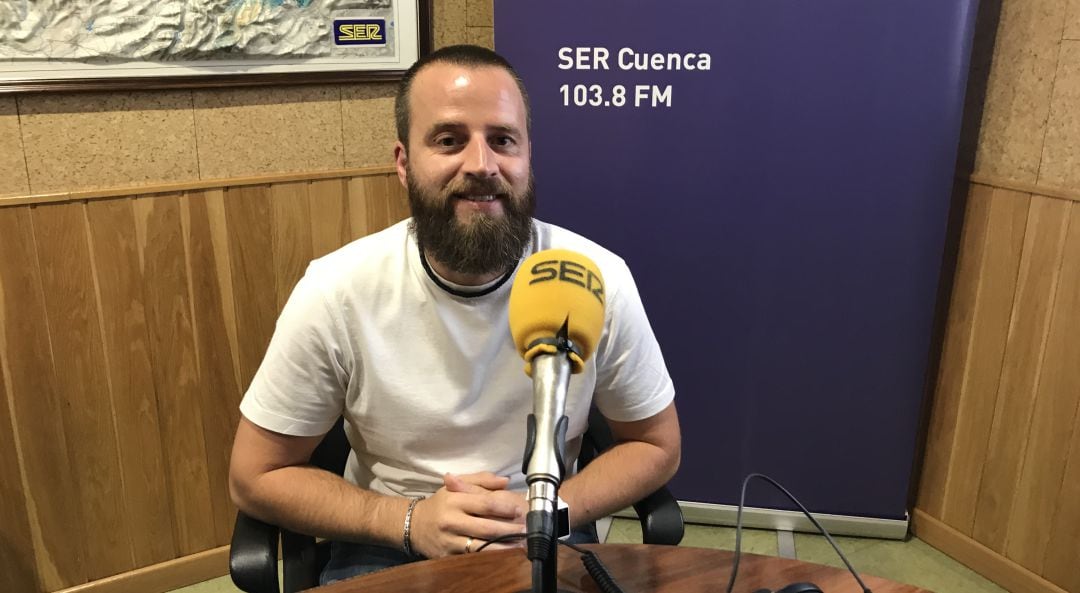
(72, 45)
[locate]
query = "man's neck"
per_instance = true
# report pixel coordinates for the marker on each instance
(459, 278)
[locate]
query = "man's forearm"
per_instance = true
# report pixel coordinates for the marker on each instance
(312, 501)
(619, 477)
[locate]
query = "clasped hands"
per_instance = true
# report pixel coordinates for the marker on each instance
(465, 513)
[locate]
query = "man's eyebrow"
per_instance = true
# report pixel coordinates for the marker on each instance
(440, 126)
(506, 129)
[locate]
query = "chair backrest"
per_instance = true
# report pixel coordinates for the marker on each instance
(333, 451)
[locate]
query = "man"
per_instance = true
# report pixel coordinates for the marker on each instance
(405, 333)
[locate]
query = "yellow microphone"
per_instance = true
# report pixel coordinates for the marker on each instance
(558, 295)
(556, 317)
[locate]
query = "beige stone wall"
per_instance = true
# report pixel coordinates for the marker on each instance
(65, 142)
(1031, 120)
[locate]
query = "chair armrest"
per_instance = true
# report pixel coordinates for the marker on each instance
(661, 518)
(253, 555)
(659, 513)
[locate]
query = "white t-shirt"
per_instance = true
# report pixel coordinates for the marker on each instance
(428, 377)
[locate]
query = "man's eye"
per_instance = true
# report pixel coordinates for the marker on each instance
(503, 141)
(446, 141)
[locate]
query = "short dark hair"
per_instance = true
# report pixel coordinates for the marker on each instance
(472, 56)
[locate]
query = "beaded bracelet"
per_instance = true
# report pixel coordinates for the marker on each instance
(406, 543)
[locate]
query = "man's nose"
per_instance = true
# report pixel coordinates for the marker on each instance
(480, 160)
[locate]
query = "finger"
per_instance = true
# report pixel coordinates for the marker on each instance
(486, 529)
(497, 546)
(491, 505)
(456, 484)
(486, 480)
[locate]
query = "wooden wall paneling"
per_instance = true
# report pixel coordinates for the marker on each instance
(398, 199)
(16, 540)
(218, 389)
(56, 525)
(120, 292)
(292, 241)
(329, 216)
(378, 209)
(996, 288)
(1041, 492)
(219, 236)
(248, 217)
(1011, 576)
(80, 363)
(175, 363)
(360, 190)
(1063, 541)
(941, 434)
(1028, 328)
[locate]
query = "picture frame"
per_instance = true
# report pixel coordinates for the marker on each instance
(407, 26)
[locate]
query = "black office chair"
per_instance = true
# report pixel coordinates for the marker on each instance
(253, 555)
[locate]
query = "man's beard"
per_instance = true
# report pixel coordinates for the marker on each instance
(483, 244)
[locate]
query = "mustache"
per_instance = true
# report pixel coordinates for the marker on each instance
(479, 186)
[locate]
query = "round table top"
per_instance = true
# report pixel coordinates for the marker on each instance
(635, 567)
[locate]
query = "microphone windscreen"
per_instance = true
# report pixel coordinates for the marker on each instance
(553, 288)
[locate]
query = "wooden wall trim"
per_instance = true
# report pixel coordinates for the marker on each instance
(983, 560)
(166, 576)
(142, 190)
(1063, 193)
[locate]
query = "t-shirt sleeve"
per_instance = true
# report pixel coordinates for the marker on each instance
(632, 381)
(300, 386)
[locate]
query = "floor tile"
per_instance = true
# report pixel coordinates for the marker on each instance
(220, 585)
(912, 561)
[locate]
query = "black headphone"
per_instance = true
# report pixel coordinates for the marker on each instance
(795, 588)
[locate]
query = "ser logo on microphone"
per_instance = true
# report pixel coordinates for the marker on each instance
(568, 271)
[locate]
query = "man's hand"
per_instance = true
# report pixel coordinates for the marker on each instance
(475, 506)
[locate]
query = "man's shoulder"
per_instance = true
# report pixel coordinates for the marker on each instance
(552, 236)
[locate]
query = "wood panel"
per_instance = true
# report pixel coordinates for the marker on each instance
(360, 188)
(941, 435)
(1049, 490)
(398, 200)
(120, 294)
(1040, 263)
(249, 218)
(292, 242)
(1064, 537)
(19, 573)
(989, 563)
(57, 529)
(175, 363)
(329, 216)
(80, 363)
(219, 238)
(129, 327)
(218, 389)
(1000, 488)
(974, 349)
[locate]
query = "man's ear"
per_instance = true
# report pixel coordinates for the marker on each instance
(401, 159)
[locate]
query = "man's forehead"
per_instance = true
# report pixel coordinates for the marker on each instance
(444, 83)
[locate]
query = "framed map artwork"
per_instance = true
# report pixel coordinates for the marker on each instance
(66, 45)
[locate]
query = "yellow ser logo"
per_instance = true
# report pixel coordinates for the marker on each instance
(359, 32)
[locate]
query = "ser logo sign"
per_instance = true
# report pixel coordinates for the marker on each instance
(359, 31)
(568, 271)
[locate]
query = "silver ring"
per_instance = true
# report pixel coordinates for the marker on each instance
(468, 545)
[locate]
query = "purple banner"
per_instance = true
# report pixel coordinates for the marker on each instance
(777, 174)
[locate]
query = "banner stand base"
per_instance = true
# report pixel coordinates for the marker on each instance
(782, 520)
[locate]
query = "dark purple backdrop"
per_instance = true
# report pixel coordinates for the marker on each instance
(785, 219)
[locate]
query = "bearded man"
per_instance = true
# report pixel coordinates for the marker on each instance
(405, 334)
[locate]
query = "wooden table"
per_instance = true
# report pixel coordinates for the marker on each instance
(636, 568)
